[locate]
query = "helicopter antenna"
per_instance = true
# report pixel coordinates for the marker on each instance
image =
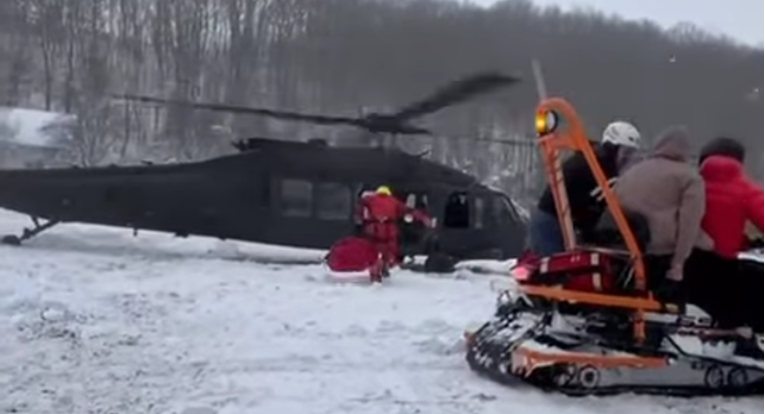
(539, 80)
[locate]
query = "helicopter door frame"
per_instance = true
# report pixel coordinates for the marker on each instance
(480, 208)
(413, 236)
(464, 219)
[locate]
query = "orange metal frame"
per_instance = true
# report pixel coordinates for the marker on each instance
(527, 360)
(569, 134)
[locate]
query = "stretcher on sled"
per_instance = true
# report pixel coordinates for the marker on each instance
(354, 260)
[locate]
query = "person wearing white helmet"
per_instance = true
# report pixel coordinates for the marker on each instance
(619, 143)
(622, 133)
(626, 137)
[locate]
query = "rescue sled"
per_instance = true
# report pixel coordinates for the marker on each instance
(354, 260)
(584, 323)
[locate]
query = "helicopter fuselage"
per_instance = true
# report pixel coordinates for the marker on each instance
(276, 192)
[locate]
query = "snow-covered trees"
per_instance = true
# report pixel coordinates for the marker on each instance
(341, 55)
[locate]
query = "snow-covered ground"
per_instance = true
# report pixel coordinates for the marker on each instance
(93, 320)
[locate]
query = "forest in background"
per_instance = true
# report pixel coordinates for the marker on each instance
(345, 56)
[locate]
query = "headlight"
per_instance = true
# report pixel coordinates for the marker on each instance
(546, 122)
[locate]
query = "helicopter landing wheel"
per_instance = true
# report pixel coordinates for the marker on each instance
(11, 240)
(27, 233)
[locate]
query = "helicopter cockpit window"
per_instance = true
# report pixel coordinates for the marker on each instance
(504, 211)
(457, 211)
(333, 201)
(296, 198)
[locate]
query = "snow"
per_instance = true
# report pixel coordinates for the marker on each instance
(755, 256)
(28, 125)
(94, 320)
(487, 266)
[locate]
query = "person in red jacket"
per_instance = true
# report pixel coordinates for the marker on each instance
(379, 214)
(732, 201)
(717, 281)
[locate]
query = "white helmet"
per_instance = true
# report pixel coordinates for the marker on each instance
(622, 133)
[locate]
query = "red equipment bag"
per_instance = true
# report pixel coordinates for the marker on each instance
(578, 270)
(352, 254)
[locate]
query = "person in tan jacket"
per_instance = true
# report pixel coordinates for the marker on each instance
(669, 193)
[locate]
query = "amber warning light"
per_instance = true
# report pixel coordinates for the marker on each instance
(546, 122)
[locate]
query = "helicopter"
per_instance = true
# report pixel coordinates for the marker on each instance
(288, 193)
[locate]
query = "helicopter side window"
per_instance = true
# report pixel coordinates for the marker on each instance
(411, 200)
(457, 211)
(417, 201)
(296, 198)
(333, 201)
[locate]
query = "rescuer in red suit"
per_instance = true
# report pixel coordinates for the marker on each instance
(379, 214)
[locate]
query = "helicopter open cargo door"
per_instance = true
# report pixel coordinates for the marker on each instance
(413, 232)
(469, 224)
(456, 215)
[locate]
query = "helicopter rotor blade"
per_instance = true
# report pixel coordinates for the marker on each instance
(507, 142)
(453, 93)
(277, 114)
(397, 123)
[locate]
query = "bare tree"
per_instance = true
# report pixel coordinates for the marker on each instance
(345, 55)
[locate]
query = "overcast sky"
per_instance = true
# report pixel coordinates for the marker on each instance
(740, 19)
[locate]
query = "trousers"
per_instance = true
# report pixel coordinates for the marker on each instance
(385, 237)
(545, 234)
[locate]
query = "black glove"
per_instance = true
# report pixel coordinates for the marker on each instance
(670, 291)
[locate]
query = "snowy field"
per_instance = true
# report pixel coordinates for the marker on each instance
(96, 321)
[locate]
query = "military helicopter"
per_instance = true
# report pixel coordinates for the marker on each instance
(299, 194)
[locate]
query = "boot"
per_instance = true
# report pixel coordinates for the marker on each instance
(376, 272)
(385, 271)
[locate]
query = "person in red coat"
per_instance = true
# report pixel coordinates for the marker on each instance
(732, 201)
(727, 288)
(379, 215)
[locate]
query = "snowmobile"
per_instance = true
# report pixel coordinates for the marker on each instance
(583, 322)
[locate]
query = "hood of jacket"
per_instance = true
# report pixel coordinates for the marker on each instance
(720, 168)
(729, 147)
(674, 144)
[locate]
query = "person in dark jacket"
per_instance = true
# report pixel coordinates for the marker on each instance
(620, 142)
